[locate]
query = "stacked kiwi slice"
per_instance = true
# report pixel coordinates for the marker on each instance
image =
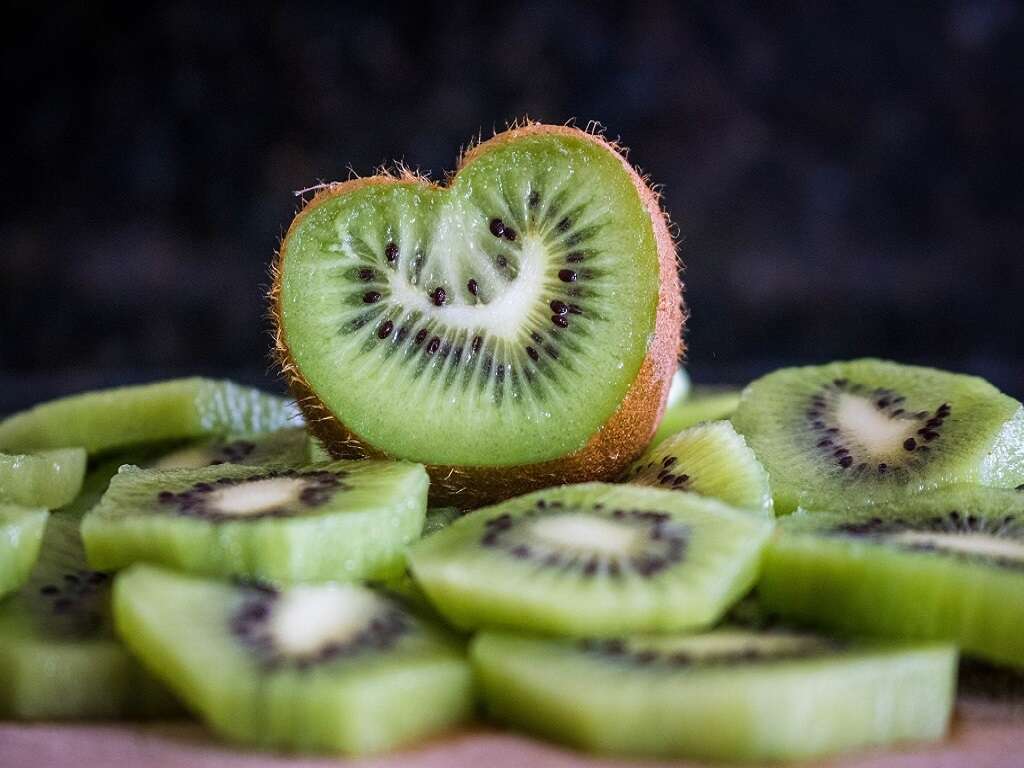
(498, 496)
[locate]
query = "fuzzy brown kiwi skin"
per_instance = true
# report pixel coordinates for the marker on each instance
(608, 452)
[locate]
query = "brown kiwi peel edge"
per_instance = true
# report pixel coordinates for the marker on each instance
(608, 452)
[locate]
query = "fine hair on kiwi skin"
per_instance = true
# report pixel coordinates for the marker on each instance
(609, 450)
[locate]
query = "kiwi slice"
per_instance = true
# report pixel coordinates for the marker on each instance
(283, 447)
(21, 533)
(729, 694)
(439, 518)
(702, 404)
(870, 430)
(48, 479)
(592, 559)
(944, 565)
(59, 658)
(346, 520)
(335, 667)
(710, 459)
(515, 328)
(126, 416)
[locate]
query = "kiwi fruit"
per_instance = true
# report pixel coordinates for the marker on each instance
(729, 694)
(710, 459)
(21, 533)
(345, 520)
(325, 667)
(515, 328)
(284, 447)
(48, 479)
(592, 559)
(940, 565)
(116, 418)
(702, 404)
(866, 431)
(59, 657)
(439, 518)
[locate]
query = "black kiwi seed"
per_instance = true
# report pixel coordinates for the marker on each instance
(365, 274)
(497, 227)
(909, 444)
(433, 345)
(477, 341)
(509, 234)
(385, 329)
(574, 258)
(534, 355)
(559, 307)
(567, 276)
(563, 225)
(391, 253)
(439, 296)
(371, 297)
(560, 321)
(472, 287)
(420, 336)
(501, 261)
(534, 199)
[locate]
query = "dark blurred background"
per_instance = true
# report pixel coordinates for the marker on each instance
(846, 178)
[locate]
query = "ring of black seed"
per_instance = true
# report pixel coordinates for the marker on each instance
(320, 485)
(620, 651)
(251, 624)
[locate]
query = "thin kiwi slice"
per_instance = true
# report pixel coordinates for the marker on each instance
(710, 459)
(517, 327)
(21, 533)
(126, 416)
(729, 694)
(59, 658)
(346, 520)
(592, 559)
(702, 404)
(284, 447)
(439, 518)
(48, 479)
(944, 565)
(331, 667)
(870, 430)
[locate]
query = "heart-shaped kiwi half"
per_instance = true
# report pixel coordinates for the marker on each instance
(514, 328)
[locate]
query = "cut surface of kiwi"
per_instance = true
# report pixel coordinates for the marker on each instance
(709, 459)
(345, 520)
(46, 479)
(21, 533)
(126, 416)
(729, 694)
(942, 565)
(326, 667)
(59, 658)
(439, 518)
(592, 559)
(702, 404)
(284, 447)
(872, 430)
(517, 327)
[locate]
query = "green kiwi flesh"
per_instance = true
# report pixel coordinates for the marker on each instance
(709, 459)
(126, 416)
(287, 447)
(21, 533)
(326, 667)
(48, 479)
(439, 518)
(943, 565)
(871, 430)
(730, 694)
(485, 323)
(592, 559)
(345, 520)
(59, 658)
(701, 404)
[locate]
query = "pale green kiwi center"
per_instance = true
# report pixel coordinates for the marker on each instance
(578, 532)
(874, 430)
(306, 619)
(436, 338)
(256, 496)
(985, 545)
(189, 457)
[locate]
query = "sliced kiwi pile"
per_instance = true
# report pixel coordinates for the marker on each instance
(503, 498)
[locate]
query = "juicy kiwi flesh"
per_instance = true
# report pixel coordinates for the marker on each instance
(869, 430)
(46, 479)
(287, 447)
(59, 659)
(942, 565)
(591, 559)
(497, 321)
(728, 694)
(709, 459)
(177, 409)
(344, 520)
(333, 667)
(21, 533)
